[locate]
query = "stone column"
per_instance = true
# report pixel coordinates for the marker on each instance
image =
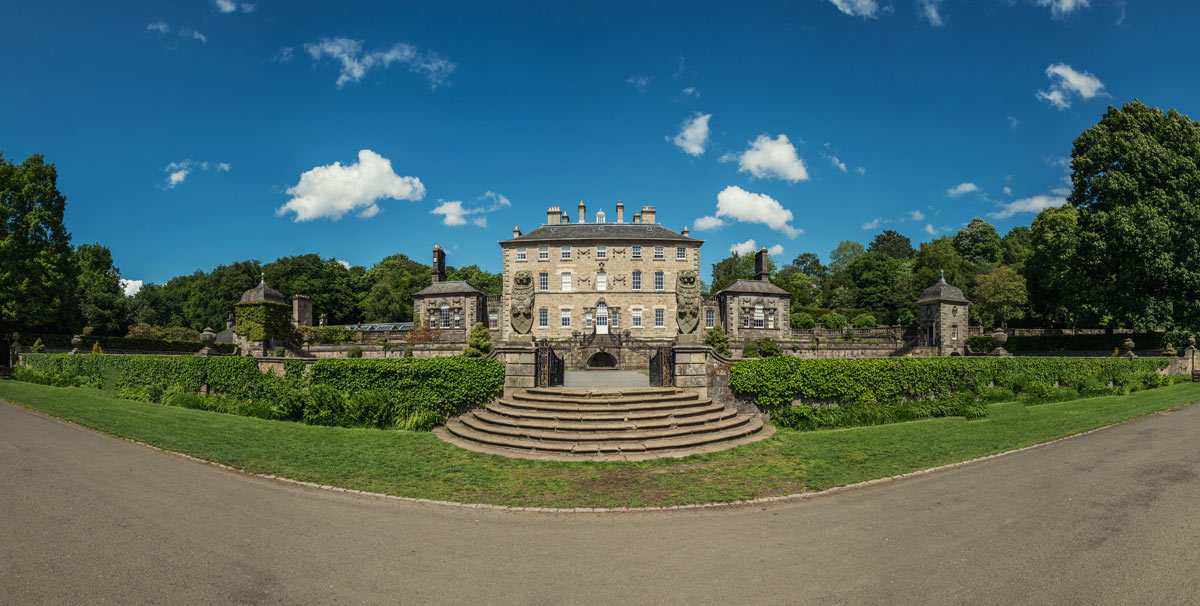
(520, 365)
(691, 367)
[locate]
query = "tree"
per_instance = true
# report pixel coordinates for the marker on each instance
(1054, 287)
(934, 258)
(479, 341)
(390, 286)
(797, 283)
(979, 244)
(1018, 247)
(735, 267)
(846, 252)
(892, 244)
(718, 340)
(98, 290)
(1136, 183)
(1000, 296)
(882, 282)
(330, 284)
(488, 282)
(37, 272)
(810, 265)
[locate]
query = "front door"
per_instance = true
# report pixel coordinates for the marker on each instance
(601, 319)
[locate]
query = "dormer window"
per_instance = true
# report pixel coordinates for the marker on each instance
(600, 216)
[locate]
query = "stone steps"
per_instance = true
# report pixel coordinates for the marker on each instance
(574, 424)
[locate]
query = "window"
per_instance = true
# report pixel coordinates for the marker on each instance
(566, 252)
(681, 253)
(612, 318)
(520, 254)
(745, 319)
(636, 251)
(543, 317)
(565, 317)
(771, 319)
(600, 218)
(954, 332)
(457, 319)
(565, 283)
(543, 281)
(445, 313)
(710, 318)
(493, 320)
(660, 317)
(659, 255)
(637, 280)
(659, 281)
(758, 315)
(601, 252)
(587, 320)
(543, 253)
(601, 281)
(637, 317)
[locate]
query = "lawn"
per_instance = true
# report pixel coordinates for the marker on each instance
(417, 464)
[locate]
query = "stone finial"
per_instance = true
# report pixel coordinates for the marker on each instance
(76, 343)
(1128, 345)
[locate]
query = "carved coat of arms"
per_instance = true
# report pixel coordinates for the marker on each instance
(687, 300)
(521, 312)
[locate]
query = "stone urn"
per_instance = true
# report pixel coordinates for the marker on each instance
(76, 343)
(1128, 345)
(207, 339)
(999, 338)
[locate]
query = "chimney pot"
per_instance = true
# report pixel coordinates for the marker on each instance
(552, 215)
(620, 211)
(647, 214)
(582, 212)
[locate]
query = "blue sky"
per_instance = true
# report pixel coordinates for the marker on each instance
(181, 130)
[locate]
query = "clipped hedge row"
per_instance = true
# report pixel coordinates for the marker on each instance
(125, 343)
(1099, 342)
(777, 381)
(234, 375)
(461, 382)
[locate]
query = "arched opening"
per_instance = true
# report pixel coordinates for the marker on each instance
(601, 318)
(602, 359)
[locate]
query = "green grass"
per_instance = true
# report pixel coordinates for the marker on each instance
(417, 464)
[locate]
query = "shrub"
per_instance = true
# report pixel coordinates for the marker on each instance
(906, 317)
(718, 340)
(96, 348)
(38, 346)
(767, 348)
(325, 405)
(833, 321)
(461, 382)
(480, 339)
(864, 321)
(326, 335)
(354, 352)
(280, 351)
(802, 321)
(750, 349)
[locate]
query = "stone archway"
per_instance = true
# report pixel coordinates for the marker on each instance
(602, 359)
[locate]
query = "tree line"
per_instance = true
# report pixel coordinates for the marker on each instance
(1124, 252)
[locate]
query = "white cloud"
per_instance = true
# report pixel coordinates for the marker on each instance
(355, 64)
(198, 36)
(1007, 190)
(332, 191)
(690, 92)
(916, 215)
(177, 172)
(640, 82)
(693, 134)
(872, 224)
(769, 157)
(284, 55)
(1062, 8)
(929, 10)
(1061, 191)
(962, 188)
(1066, 83)
(743, 248)
(706, 223)
(1035, 204)
(862, 171)
(929, 229)
(223, 167)
(345, 264)
(454, 213)
(130, 287)
(159, 26)
(177, 177)
(740, 205)
(837, 163)
(226, 6)
(857, 8)
(248, 7)
(1012, 122)
(775, 251)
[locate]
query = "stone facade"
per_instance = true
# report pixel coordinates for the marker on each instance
(942, 313)
(753, 309)
(596, 277)
(451, 306)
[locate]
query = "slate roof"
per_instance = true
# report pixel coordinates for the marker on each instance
(601, 231)
(453, 287)
(756, 286)
(263, 294)
(942, 291)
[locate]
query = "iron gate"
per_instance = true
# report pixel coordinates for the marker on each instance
(549, 366)
(662, 367)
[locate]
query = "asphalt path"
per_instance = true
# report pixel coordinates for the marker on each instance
(1107, 518)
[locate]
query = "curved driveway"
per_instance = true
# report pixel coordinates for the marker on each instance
(1110, 518)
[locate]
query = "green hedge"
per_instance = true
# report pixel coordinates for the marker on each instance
(234, 375)
(776, 381)
(125, 343)
(1099, 342)
(461, 382)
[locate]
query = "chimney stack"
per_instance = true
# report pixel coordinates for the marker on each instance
(685, 231)
(516, 231)
(566, 218)
(582, 212)
(439, 264)
(761, 273)
(637, 217)
(553, 215)
(620, 211)
(647, 214)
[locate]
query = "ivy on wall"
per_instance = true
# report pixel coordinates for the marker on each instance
(262, 321)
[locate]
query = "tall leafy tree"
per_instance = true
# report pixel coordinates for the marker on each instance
(390, 285)
(37, 269)
(1055, 289)
(1136, 178)
(1000, 296)
(488, 282)
(882, 281)
(846, 252)
(940, 257)
(979, 244)
(810, 265)
(101, 300)
(1018, 247)
(332, 286)
(735, 267)
(893, 244)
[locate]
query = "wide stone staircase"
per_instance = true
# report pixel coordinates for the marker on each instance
(602, 424)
